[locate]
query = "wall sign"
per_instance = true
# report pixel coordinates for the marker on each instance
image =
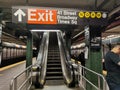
(37, 15)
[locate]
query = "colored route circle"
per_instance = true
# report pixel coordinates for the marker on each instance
(87, 14)
(93, 14)
(81, 14)
(98, 15)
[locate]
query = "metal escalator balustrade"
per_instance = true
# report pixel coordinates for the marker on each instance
(67, 67)
(28, 72)
(43, 60)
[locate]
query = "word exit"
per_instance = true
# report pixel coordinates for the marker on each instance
(40, 16)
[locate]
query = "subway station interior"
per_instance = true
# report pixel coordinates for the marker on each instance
(57, 44)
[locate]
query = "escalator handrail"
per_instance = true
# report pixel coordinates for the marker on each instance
(67, 54)
(40, 53)
(42, 56)
(67, 61)
(44, 63)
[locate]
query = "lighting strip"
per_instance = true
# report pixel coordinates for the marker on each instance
(78, 34)
(41, 30)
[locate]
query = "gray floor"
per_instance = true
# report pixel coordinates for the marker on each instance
(58, 87)
(8, 74)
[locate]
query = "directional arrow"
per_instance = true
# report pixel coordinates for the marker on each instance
(19, 13)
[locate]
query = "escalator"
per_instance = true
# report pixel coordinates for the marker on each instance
(54, 69)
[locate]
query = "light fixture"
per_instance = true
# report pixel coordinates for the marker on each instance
(42, 30)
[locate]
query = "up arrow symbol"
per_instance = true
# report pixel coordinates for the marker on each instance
(19, 13)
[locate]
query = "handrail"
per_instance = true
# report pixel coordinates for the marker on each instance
(44, 61)
(41, 51)
(67, 53)
(82, 79)
(68, 71)
(28, 72)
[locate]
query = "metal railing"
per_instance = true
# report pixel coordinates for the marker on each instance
(83, 72)
(22, 81)
(26, 82)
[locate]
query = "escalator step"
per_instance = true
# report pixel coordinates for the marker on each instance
(54, 69)
(54, 65)
(53, 52)
(49, 66)
(53, 62)
(54, 74)
(54, 59)
(53, 56)
(54, 78)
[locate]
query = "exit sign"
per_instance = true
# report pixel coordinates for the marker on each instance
(37, 15)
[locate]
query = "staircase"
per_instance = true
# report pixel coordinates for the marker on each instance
(54, 69)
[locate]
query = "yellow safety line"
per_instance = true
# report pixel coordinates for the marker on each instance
(1, 74)
(10, 66)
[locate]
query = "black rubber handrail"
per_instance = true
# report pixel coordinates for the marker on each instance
(69, 72)
(42, 61)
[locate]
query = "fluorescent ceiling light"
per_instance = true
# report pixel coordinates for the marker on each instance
(41, 30)
(78, 34)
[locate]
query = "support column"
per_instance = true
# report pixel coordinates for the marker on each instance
(0, 43)
(94, 61)
(29, 53)
(0, 35)
(68, 40)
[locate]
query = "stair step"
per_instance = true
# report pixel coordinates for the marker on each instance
(53, 52)
(53, 60)
(54, 78)
(54, 69)
(53, 56)
(54, 74)
(48, 66)
(53, 65)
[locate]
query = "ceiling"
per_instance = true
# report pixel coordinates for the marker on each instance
(53, 3)
(8, 38)
(112, 31)
(104, 5)
(80, 4)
